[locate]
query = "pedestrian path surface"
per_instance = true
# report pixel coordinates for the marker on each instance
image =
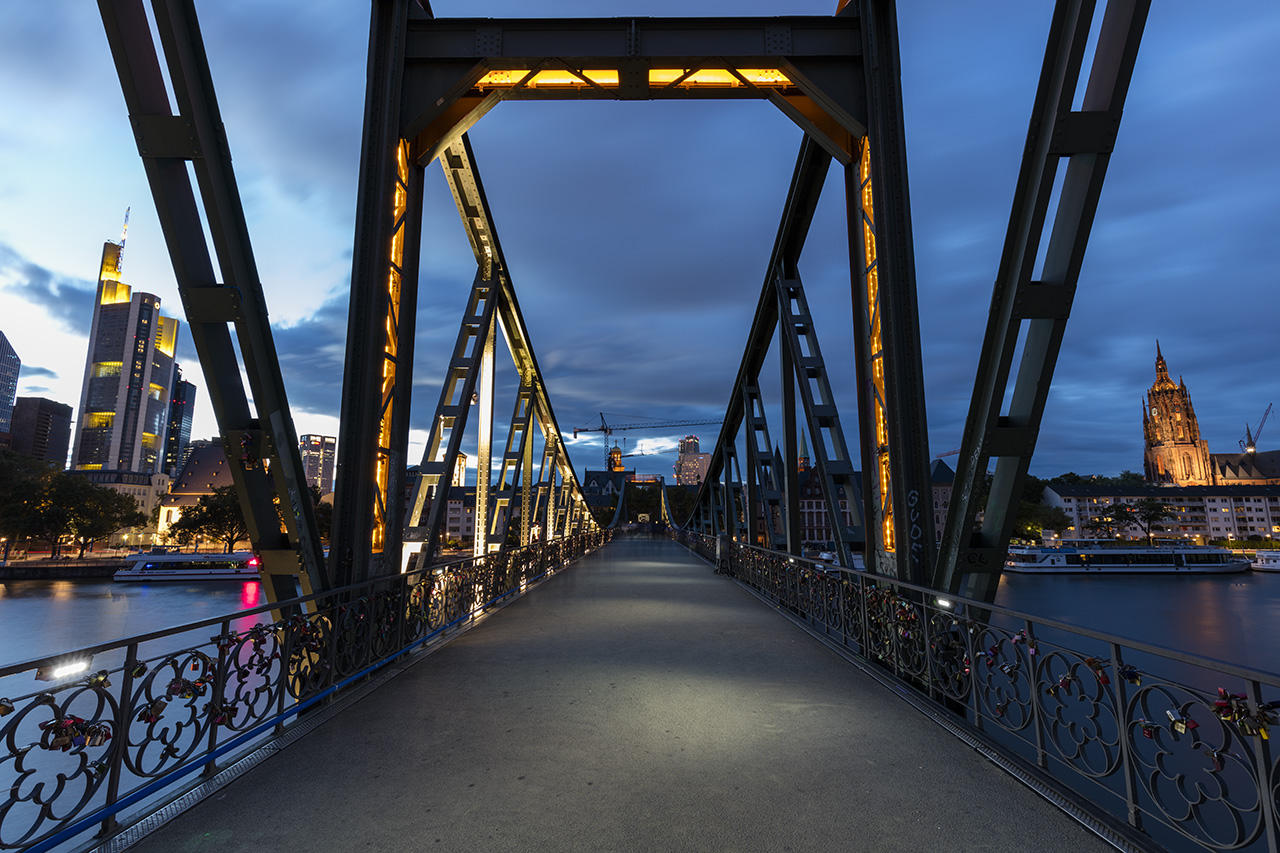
(634, 702)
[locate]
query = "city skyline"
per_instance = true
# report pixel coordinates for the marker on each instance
(644, 310)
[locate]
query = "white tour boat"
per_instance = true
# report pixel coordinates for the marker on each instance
(1266, 561)
(1085, 558)
(238, 565)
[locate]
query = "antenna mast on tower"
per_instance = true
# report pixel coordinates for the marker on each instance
(124, 232)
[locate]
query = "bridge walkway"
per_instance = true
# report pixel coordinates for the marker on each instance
(635, 702)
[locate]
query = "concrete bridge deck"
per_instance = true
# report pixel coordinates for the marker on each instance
(636, 702)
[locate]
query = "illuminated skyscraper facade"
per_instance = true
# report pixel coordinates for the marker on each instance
(10, 364)
(182, 403)
(317, 460)
(128, 377)
(691, 466)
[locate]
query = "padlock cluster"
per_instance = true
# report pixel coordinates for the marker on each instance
(70, 732)
(1234, 708)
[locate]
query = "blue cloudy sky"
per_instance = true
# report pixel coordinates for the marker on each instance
(637, 233)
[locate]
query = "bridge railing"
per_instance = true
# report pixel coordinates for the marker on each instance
(153, 715)
(1174, 745)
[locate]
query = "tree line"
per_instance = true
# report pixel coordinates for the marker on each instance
(40, 503)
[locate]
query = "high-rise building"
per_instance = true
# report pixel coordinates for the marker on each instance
(10, 364)
(317, 460)
(42, 428)
(691, 466)
(182, 404)
(128, 376)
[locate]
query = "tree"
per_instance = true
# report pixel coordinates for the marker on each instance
(1110, 521)
(1148, 514)
(100, 511)
(20, 479)
(50, 508)
(216, 516)
(1033, 519)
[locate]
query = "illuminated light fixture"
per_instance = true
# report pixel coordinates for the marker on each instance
(944, 603)
(253, 562)
(548, 78)
(608, 78)
(62, 668)
(718, 77)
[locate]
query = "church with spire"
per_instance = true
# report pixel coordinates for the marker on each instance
(1176, 455)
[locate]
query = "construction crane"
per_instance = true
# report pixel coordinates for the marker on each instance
(1249, 444)
(608, 428)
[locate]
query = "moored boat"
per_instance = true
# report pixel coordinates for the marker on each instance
(238, 565)
(1266, 561)
(1111, 559)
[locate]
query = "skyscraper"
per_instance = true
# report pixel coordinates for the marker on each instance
(128, 374)
(317, 460)
(182, 405)
(42, 428)
(691, 466)
(10, 364)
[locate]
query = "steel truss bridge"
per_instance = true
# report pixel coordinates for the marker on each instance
(385, 585)
(430, 80)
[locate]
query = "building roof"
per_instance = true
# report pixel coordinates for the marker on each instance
(206, 469)
(941, 474)
(1246, 466)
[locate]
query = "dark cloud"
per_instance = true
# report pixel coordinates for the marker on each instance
(30, 370)
(69, 300)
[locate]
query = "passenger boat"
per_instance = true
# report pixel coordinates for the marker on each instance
(1266, 561)
(237, 566)
(1084, 558)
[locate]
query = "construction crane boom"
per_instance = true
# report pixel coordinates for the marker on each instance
(1249, 444)
(608, 428)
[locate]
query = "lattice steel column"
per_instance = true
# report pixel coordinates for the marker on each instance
(376, 382)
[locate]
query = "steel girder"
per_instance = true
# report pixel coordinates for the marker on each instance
(470, 379)
(1035, 308)
(782, 303)
(458, 69)
(377, 382)
(440, 76)
(262, 446)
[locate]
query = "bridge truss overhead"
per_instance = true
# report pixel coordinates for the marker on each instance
(429, 80)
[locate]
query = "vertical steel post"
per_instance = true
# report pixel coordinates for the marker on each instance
(484, 473)
(366, 516)
(887, 290)
(790, 443)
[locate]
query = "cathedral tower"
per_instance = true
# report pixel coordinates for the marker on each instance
(1174, 452)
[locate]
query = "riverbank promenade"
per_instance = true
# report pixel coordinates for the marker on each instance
(635, 702)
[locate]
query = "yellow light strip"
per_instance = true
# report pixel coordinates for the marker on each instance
(883, 469)
(382, 468)
(705, 78)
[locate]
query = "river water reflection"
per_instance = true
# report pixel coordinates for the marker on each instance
(1233, 618)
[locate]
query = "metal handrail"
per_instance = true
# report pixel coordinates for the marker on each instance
(1185, 764)
(79, 752)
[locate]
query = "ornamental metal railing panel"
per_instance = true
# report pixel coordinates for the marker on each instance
(1167, 748)
(156, 714)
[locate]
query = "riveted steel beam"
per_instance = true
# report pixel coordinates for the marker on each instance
(376, 385)
(1031, 307)
(895, 446)
(458, 69)
(261, 445)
